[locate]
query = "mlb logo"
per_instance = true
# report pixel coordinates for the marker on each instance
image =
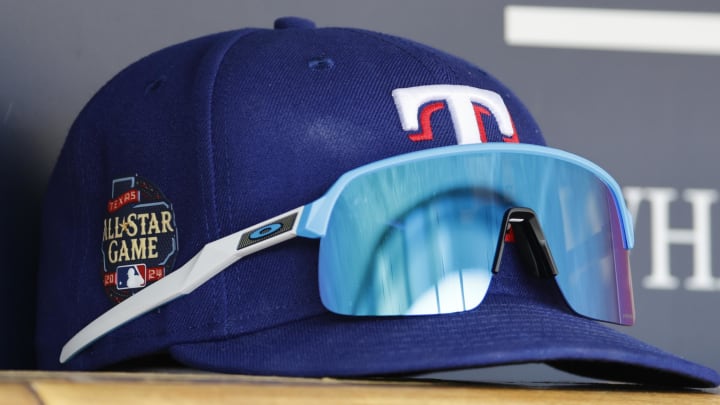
(131, 276)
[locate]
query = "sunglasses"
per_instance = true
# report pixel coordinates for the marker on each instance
(423, 233)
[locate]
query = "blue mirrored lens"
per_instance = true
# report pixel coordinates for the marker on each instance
(583, 229)
(420, 236)
(426, 260)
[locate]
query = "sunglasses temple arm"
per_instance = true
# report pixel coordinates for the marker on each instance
(212, 259)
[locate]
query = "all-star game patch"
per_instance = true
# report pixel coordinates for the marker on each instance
(139, 241)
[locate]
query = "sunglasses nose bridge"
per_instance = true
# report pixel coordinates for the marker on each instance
(530, 241)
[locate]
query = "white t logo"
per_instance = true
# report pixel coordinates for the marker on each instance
(459, 101)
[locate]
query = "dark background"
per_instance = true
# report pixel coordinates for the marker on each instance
(649, 118)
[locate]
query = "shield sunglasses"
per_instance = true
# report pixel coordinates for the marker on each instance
(422, 233)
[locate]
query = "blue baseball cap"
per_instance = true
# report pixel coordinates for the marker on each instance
(213, 135)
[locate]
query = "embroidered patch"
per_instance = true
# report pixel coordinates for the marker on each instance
(139, 241)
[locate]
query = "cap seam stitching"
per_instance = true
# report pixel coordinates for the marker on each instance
(211, 142)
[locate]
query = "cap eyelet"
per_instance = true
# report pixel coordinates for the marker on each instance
(155, 84)
(321, 63)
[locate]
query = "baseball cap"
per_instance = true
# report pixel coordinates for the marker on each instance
(213, 135)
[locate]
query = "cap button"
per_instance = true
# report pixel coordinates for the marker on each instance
(293, 22)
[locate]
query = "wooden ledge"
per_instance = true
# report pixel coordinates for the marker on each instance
(37, 387)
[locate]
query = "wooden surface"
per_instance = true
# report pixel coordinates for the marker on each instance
(19, 388)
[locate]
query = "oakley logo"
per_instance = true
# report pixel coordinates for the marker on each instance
(267, 231)
(467, 106)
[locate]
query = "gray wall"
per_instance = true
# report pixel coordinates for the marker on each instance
(649, 118)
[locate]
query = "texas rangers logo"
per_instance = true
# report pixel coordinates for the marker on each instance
(469, 107)
(139, 240)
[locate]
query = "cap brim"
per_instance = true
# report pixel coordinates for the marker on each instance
(516, 323)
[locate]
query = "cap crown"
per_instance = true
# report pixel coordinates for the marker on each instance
(229, 130)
